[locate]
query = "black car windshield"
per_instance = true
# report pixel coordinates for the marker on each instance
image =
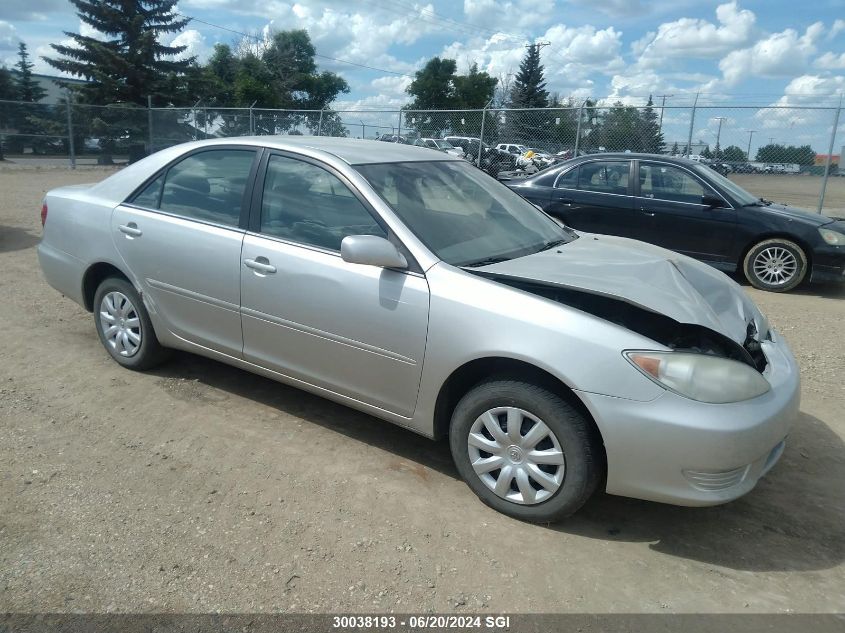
(461, 214)
(736, 192)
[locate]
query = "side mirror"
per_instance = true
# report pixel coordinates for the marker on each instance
(371, 250)
(712, 202)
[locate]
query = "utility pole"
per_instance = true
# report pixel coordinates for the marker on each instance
(662, 107)
(748, 153)
(720, 119)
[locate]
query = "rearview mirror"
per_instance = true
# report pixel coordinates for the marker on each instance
(371, 250)
(712, 202)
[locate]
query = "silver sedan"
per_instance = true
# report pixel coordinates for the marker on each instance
(410, 285)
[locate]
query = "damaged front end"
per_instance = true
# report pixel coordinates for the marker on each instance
(658, 327)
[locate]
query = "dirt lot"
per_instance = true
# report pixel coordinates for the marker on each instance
(797, 190)
(199, 487)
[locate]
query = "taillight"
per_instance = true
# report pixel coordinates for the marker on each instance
(43, 214)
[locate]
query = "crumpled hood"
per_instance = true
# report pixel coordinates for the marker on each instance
(644, 275)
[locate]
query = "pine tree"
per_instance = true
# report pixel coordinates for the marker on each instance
(29, 89)
(675, 149)
(652, 136)
(529, 91)
(529, 86)
(129, 63)
(8, 92)
(28, 117)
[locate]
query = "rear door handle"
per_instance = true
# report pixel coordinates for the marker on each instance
(566, 201)
(263, 267)
(130, 229)
(647, 212)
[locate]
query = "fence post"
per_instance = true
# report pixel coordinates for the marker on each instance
(150, 124)
(399, 128)
(320, 123)
(71, 149)
(826, 174)
(691, 124)
(578, 128)
(252, 119)
(481, 136)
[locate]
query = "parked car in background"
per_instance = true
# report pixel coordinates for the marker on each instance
(512, 148)
(393, 138)
(407, 284)
(493, 160)
(441, 145)
(687, 207)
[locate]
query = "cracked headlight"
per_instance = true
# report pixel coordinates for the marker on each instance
(700, 377)
(834, 238)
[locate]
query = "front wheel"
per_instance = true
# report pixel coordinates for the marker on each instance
(777, 265)
(124, 326)
(525, 451)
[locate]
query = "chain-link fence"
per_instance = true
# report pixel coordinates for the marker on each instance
(743, 142)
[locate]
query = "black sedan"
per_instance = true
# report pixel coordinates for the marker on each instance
(687, 207)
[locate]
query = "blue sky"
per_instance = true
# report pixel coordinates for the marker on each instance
(749, 52)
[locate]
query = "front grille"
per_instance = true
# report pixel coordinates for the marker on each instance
(715, 480)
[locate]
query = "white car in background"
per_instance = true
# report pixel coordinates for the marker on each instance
(442, 146)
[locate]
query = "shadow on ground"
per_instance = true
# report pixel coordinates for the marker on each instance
(790, 522)
(13, 238)
(826, 290)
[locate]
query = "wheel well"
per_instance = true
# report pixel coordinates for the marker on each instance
(94, 276)
(772, 236)
(470, 374)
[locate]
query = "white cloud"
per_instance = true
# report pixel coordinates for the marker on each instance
(8, 37)
(781, 54)
(836, 29)
(195, 43)
(511, 14)
(830, 61)
(696, 37)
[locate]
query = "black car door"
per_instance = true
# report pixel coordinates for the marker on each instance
(673, 197)
(596, 196)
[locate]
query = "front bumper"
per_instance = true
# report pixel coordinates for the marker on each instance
(676, 450)
(828, 264)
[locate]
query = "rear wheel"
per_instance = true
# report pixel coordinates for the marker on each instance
(124, 326)
(777, 265)
(524, 450)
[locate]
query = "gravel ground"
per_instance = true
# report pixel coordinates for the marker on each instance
(199, 487)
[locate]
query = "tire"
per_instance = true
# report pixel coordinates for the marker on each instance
(776, 265)
(578, 474)
(134, 344)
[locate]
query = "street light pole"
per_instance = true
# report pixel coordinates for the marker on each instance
(748, 153)
(720, 119)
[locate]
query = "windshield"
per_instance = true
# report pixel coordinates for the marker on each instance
(444, 144)
(734, 190)
(461, 214)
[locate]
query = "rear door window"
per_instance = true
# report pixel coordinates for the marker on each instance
(605, 177)
(207, 186)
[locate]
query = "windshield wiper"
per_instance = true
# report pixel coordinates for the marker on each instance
(485, 262)
(550, 245)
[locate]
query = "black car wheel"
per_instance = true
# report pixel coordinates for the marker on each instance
(777, 265)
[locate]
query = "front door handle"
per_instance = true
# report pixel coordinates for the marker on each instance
(131, 230)
(261, 266)
(565, 201)
(647, 212)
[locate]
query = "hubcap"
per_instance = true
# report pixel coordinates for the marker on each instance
(516, 455)
(120, 324)
(775, 265)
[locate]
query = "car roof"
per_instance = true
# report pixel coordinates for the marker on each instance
(634, 155)
(353, 151)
